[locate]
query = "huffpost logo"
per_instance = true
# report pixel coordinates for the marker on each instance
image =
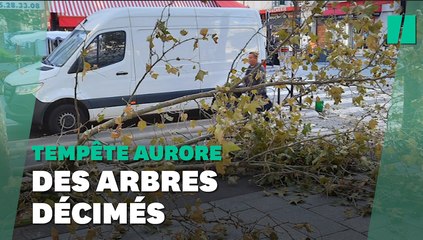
(408, 35)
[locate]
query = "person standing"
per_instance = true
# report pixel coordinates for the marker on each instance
(255, 75)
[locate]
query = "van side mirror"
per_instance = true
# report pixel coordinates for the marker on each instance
(76, 66)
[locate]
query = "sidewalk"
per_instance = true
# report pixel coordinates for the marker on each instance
(292, 214)
(292, 217)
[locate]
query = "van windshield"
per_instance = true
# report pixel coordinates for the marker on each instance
(64, 51)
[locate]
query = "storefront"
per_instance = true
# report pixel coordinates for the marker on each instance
(336, 11)
(277, 19)
(66, 15)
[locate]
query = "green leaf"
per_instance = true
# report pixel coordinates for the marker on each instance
(283, 34)
(100, 117)
(306, 129)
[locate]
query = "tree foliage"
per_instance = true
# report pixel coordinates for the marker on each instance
(280, 147)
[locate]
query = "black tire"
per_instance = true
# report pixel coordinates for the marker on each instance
(63, 118)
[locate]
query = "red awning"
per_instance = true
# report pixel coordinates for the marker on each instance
(278, 10)
(233, 4)
(71, 13)
(336, 9)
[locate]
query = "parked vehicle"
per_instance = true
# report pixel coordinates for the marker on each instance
(45, 42)
(119, 52)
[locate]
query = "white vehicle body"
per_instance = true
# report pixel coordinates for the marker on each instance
(106, 90)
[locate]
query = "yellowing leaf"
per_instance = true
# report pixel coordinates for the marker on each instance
(197, 215)
(183, 32)
(184, 117)
(204, 32)
(308, 100)
(155, 75)
(172, 70)
(160, 125)
(178, 140)
(221, 166)
(115, 134)
(193, 124)
(373, 42)
(150, 41)
(128, 110)
(118, 121)
(291, 101)
(372, 124)
(87, 67)
(230, 147)
(219, 134)
(200, 75)
(127, 140)
(252, 107)
(142, 125)
(204, 105)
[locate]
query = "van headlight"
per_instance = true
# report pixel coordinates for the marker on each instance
(28, 89)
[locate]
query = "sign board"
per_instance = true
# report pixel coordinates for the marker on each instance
(22, 5)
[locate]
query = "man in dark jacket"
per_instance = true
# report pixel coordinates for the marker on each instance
(255, 75)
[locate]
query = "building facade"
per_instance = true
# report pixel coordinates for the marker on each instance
(279, 15)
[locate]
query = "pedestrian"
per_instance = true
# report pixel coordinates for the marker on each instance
(254, 75)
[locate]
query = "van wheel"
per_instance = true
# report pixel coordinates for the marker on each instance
(63, 119)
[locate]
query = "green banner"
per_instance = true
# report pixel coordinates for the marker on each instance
(398, 207)
(20, 56)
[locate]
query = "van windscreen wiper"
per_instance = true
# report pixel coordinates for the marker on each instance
(47, 62)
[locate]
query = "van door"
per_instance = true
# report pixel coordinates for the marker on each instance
(167, 86)
(105, 87)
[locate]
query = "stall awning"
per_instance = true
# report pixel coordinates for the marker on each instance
(336, 9)
(283, 9)
(71, 13)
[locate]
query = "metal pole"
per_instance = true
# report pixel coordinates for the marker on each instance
(294, 48)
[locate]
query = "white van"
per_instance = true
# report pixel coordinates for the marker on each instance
(117, 39)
